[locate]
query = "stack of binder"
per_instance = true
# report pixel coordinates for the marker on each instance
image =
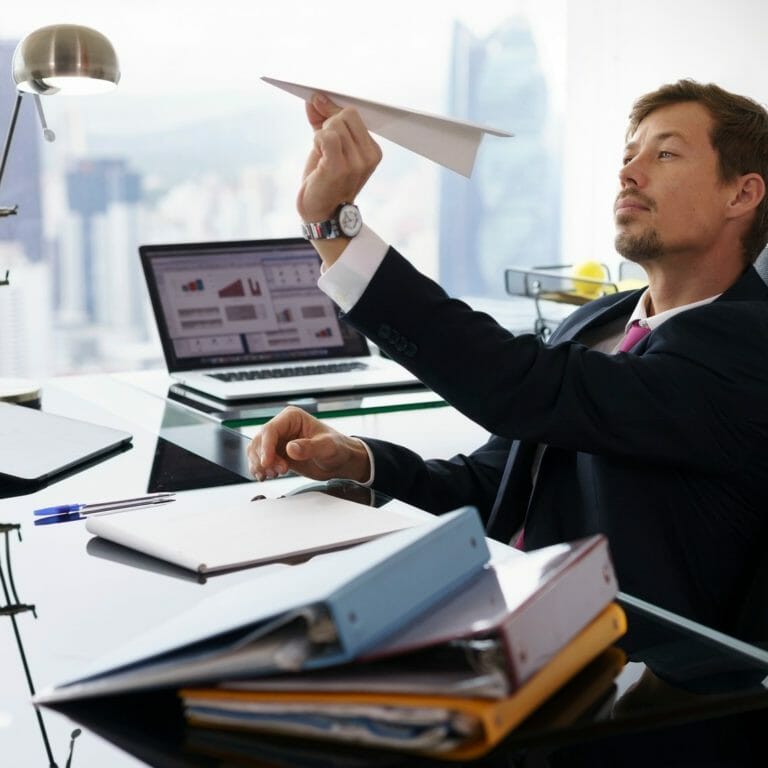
(454, 726)
(414, 641)
(455, 682)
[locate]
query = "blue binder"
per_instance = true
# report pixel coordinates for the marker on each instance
(323, 612)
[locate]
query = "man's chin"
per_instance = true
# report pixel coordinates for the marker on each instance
(639, 248)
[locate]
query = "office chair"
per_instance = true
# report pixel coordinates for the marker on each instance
(761, 265)
(752, 620)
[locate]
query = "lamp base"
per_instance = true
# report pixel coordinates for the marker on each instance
(20, 392)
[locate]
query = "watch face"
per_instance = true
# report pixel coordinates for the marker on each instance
(350, 221)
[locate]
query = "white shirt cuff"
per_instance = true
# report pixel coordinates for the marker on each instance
(369, 482)
(346, 280)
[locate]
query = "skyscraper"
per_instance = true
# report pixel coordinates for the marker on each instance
(510, 213)
(103, 196)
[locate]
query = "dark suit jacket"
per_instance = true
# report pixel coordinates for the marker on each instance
(663, 449)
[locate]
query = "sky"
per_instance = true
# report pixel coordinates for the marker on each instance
(395, 52)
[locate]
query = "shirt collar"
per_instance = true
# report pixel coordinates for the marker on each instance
(640, 312)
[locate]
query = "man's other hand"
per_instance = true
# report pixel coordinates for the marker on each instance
(294, 440)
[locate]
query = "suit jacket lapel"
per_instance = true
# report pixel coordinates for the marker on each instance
(604, 311)
(511, 503)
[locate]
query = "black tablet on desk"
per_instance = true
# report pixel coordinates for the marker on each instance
(35, 446)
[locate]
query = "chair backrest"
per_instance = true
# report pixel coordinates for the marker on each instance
(753, 617)
(761, 265)
(752, 621)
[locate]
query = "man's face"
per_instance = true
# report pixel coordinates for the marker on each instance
(671, 199)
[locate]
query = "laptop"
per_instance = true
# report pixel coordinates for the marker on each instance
(36, 446)
(245, 320)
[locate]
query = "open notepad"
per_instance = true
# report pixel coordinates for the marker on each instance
(212, 530)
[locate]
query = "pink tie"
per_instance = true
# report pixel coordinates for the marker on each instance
(633, 335)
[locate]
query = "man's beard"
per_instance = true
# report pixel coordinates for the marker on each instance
(639, 248)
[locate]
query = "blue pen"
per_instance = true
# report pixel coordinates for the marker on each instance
(106, 506)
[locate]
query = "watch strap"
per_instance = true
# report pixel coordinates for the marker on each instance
(321, 230)
(337, 226)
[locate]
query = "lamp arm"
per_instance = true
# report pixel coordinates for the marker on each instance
(9, 135)
(48, 133)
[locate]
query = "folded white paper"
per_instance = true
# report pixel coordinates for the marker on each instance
(451, 143)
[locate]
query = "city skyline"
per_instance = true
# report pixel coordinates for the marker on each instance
(217, 175)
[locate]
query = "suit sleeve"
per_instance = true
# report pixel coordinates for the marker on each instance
(440, 485)
(694, 398)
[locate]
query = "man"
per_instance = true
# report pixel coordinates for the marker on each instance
(662, 447)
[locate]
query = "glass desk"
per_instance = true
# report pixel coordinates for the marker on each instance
(688, 696)
(252, 413)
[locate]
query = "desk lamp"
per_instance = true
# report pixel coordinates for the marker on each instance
(63, 58)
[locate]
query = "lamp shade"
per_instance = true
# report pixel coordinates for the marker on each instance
(65, 58)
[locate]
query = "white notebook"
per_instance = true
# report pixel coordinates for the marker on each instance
(217, 529)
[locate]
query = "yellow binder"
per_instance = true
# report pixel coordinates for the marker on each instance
(492, 719)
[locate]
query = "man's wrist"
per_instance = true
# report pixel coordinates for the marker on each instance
(346, 281)
(331, 235)
(330, 250)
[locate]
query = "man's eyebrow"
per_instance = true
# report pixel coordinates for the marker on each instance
(658, 138)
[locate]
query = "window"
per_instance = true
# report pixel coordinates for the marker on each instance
(193, 146)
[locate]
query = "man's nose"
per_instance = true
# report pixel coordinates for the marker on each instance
(633, 173)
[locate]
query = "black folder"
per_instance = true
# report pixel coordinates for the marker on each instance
(36, 446)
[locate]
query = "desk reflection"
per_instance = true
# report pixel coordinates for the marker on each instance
(11, 608)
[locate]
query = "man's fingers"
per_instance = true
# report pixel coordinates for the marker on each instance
(324, 106)
(328, 146)
(361, 137)
(265, 448)
(316, 119)
(319, 109)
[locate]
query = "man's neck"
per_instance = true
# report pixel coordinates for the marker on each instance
(674, 284)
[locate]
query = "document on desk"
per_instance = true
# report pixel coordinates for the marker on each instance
(209, 530)
(449, 142)
(326, 611)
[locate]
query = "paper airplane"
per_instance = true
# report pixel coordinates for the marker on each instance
(451, 143)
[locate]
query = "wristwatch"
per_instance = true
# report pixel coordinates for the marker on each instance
(346, 222)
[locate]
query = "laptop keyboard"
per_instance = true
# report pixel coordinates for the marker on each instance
(279, 373)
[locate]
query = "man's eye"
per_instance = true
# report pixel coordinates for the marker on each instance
(626, 159)
(666, 154)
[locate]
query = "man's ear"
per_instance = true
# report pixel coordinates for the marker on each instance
(748, 193)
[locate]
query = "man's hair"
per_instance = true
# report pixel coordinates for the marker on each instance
(739, 136)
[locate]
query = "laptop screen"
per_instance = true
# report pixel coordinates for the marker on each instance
(242, 303)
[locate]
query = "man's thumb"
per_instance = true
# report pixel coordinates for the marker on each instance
(324, 105)
(297, 449)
